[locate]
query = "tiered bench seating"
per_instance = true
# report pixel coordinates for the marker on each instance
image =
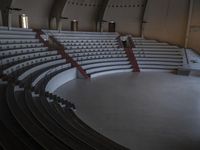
(97, 53)
(191, 63)
(31, 117)
(153, 55)
(20, 49)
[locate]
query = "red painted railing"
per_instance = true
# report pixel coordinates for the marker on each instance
(69, 58)
(130, 54)
(132, 59)
(61, 51)
(39, 32)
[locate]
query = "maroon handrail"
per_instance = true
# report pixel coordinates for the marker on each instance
(61, 51)
(132, 59)
(69, 58)
(39, 32)
(130, 54)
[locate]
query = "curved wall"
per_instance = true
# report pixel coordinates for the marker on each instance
(126, 13)
(82, 10)
(61, 79)
(166, 20)
(37, 10)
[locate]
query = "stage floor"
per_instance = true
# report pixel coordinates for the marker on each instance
(142, 111)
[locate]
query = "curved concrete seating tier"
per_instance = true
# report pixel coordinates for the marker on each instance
(29, 63)
(77, 41)
(16, 32)
(60, 79)
(16, 46)
(153, 55)
(159, 56)
(113, 71)
(6, 53)
(107, 68)
(18, 107)
(159, 49)
(89, 43)
(94, 61)
(20, 137)
(159, 66)
(149, 43)
(157, 52)
(88, 47)
(145, 41)
(18, 41)
(54, 108)
(85, 38)
(15, 29)
(96, 53)
(92, 50)
(16, 36)
(106, 63)
(98, 36)
(39, 67)
(92, 137)
(5, 34)
(156, 46)
(27, 56)
(80, 33)
(48, 72)
(159, 60)
(33, 116)
(65, 137)
(59, 111)
(99, 57)
(91, 47)
(171, 63)
(7, 134)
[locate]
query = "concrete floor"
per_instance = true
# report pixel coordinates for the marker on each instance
(145, 111)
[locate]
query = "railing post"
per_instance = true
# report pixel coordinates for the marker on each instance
(130, 54)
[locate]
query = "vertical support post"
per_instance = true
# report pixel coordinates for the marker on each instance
(74, 25)
(189, 23)
(9, 20)
(23, 21)
(100, 14)
(111, 26)
(142, 19)
(101, 23)
(59, 25)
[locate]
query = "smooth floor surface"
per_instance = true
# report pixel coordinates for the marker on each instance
(142, 111)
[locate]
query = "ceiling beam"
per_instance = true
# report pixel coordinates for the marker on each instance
(142, 21)
(4, 5)
(56, 11)
(189, 20)
(100, 14)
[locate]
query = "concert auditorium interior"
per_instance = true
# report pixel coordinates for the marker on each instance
(100, 74)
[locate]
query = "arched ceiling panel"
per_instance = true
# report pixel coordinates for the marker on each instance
(4, 5)
(127, 14)
(166, 20)
(195, 27)
(37, 10)
(1, 22)
(82, 10)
